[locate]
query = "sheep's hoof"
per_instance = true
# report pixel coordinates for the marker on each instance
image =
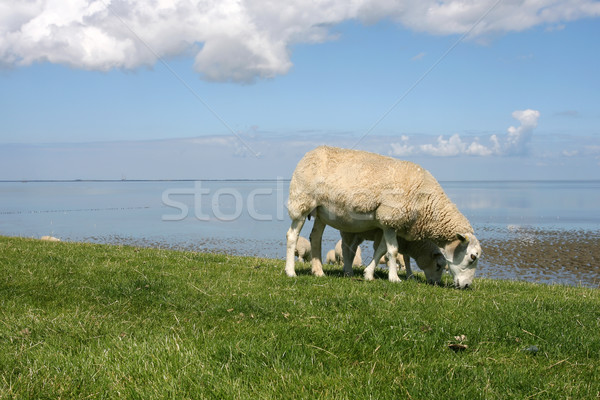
(394, 279)
(319, 273)
(369, 277)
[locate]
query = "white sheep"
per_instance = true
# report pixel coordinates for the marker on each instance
(50, 239)
(303, 249)
(339, 255)
(330, 258)
(399, 259)
(356, 191)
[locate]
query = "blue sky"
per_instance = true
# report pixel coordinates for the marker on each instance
(105, 90)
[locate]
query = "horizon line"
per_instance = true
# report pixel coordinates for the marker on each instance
(272, 180)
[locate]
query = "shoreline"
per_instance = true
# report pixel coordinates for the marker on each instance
(533, 254)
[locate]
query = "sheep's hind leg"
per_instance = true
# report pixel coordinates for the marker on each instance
(292, 238)
(349, 245)
(392, 251)
(316, 235)
(409, 273)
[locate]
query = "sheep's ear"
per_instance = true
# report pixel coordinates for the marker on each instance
(463, 238)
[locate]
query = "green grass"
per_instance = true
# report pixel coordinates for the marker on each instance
(95, 321)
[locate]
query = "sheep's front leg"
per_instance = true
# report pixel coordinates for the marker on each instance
(292, 238)
(391, 243)
(316, 235)
(370, 271)
(379, 249)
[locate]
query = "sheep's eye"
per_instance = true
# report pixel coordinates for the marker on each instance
(473, 257)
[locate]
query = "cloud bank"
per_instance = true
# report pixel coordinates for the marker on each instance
(515, 142)
(234, 40)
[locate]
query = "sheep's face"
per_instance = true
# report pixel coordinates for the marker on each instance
(433, 264)
(462, 255)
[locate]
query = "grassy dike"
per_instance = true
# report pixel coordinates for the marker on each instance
(97, 321)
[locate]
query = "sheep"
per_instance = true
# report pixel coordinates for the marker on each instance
(330, 258)
(335, 256)
(356, 191)
(339, 256)
(303, 249)
(426, 254)
(399, 259)
(50, 239)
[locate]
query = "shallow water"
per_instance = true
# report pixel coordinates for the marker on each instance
(538, 231)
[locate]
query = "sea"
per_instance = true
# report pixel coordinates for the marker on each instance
(249, 217)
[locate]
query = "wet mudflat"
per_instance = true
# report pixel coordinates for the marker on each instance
(547, 256)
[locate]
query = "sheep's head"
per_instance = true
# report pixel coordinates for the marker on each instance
(462, 255)
(433, 264)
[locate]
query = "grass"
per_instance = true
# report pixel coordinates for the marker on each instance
(95, 321)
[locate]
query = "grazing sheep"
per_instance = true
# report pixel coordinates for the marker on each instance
(357, 191)
(427, 255)
(399, 259)
(331, 259)
(339, 255)
(303, 249)
(50, 239)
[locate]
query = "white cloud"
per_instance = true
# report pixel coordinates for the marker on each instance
(235, 40)
(455, 17)
(477, 149)
(516, 142)
(518, 138)
(455, 146)
(445, 148)
(402, 149)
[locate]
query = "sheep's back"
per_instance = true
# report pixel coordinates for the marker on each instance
(402, 194)
(354, 180)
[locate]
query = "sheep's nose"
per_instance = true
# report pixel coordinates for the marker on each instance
(459, 285)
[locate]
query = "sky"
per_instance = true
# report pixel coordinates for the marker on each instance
(129, 89)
